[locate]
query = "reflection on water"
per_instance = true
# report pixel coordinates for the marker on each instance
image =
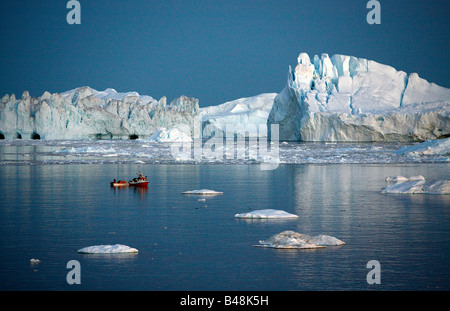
(140, 192)
(50, 211)
(120, 258)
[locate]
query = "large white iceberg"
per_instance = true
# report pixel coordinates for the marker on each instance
(266, 214)
(85, 113)
(345, 98)
(107, 249)
(291, 239)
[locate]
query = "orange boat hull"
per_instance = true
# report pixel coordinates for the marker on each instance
(140, 184)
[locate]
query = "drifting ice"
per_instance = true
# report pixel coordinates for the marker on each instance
(107, 249)
(203, 192)
(416, 185)
(291, 239)
(266, 214)
(429, 147)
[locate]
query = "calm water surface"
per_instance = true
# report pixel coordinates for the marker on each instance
(50, 211)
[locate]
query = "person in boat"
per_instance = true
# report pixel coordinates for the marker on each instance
(114, 180)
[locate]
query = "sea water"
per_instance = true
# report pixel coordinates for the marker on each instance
(48, 211)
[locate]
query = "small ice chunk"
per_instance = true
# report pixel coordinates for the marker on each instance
(107, 249)
(266, 214)
(34, 261)
(291, 239)
(203, 192)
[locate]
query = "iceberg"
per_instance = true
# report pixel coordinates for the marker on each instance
(244, 116)
(107, 249)
(266, 214)
(416, 185)
(85, 113)
(203, 192)
(291, 239)
(345, 98)
(338, 98)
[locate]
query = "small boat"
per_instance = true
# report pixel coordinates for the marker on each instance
(119, 183)
(140, 181)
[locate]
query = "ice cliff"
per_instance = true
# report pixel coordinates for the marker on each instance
(345, 98)
(342, 98)
(85, 113)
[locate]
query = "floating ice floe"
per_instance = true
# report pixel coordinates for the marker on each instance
(107, 249)
(203, 192)
(429, 147)
(416, 185)
(93, 149)
(34, 261)
(266, 214)
(291, 239)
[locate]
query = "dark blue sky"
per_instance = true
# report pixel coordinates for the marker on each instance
(212, 50)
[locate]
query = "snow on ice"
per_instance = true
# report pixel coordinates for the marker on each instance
(266, 214)
(291, 239)
(416, 185)
(107, 249)
(203, 192)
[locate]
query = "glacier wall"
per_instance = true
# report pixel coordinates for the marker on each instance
(345, 98)
(85, 113)
(342, 98)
